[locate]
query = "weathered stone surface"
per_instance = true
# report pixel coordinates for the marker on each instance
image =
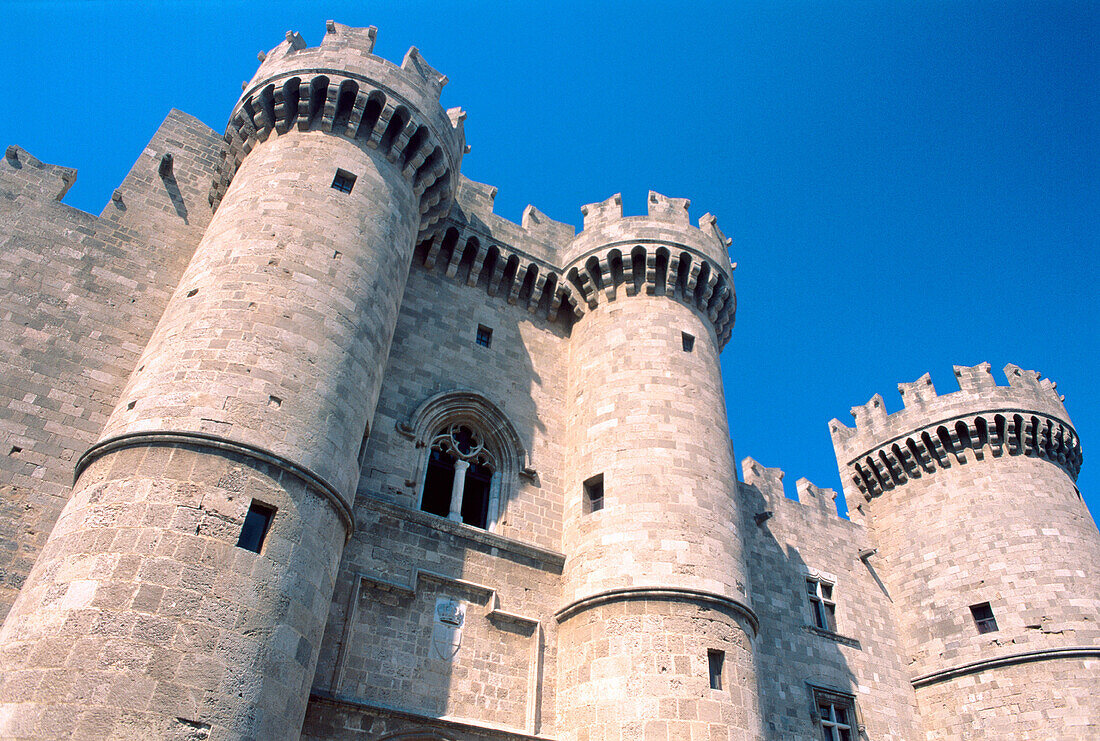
(226, 331)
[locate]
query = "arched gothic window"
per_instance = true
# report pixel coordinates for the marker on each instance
(471, 458)
(459, 479)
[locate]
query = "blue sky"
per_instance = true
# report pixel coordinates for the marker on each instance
(908, 185)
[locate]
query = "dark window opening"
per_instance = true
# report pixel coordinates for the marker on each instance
(715, 661)
(438, 484)
(983, 617)
(593, 494)
(256, 524)
(688, 340)
(484, 335)
(344, 181)
(475, 496)
(836, 720)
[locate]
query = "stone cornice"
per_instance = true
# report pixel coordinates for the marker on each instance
(973, 667)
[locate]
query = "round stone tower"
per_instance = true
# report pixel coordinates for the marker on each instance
(192, 569)
(656, 630)
(986, 549)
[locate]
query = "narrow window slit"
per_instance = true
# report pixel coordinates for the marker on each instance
(484, 336)
(984, 618)
(715, 661)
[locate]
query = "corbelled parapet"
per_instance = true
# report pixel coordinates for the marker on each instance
(342, 88)
(1026, 417)
(660, 253)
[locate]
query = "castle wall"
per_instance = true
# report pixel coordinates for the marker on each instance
(382, 654)
(522, 372)
(143, 619)
(863, 657)
(79, 297)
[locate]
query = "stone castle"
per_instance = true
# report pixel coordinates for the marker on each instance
(301, 440)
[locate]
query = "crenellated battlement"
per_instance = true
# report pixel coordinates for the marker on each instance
(31, 176)
(342, 88)
(660, 253)
(1026, 417)
(769, 482)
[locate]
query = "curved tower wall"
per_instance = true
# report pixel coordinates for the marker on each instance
(654, 579)
(258, 384)
(970, 499)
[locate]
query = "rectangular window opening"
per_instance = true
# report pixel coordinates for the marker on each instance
(715, 661)
(836, 712)
(344, 181)
(484, 335)
(688, 340)
(256, 524)
(822, 604)
(983, 617)
(593, 494)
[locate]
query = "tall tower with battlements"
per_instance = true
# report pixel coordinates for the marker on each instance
(251, 404)
(654, 580)
(986, 549)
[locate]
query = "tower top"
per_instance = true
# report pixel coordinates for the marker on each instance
(341, 87)
(660, 252)
(1025, 417)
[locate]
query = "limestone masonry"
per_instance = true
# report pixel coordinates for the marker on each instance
(301, 440)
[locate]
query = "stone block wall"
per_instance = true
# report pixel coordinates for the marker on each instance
(143, 619)
(79, 297)
(786, 541)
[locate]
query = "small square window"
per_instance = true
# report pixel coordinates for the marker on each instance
(983, 618)
(256, 524)
(822, 604)
(688, 340)
(593, 494)
(715, 661)
(344, 181)
(484, 335)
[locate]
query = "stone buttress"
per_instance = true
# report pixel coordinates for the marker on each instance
(256, 392)
(987, 551)
(653, 582)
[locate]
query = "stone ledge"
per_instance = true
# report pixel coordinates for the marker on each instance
(1024, 657)
(552, 559)
(659, 593)
(483, 728)
(836, 637)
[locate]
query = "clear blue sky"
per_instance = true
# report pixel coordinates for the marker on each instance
(908, 185)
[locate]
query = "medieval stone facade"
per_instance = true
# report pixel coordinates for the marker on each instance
(301, 440)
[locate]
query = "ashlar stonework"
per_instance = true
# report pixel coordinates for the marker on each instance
(356, 458)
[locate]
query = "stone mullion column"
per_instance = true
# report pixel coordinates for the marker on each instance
(457, 488)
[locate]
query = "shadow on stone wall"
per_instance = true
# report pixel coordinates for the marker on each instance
(796, 661)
